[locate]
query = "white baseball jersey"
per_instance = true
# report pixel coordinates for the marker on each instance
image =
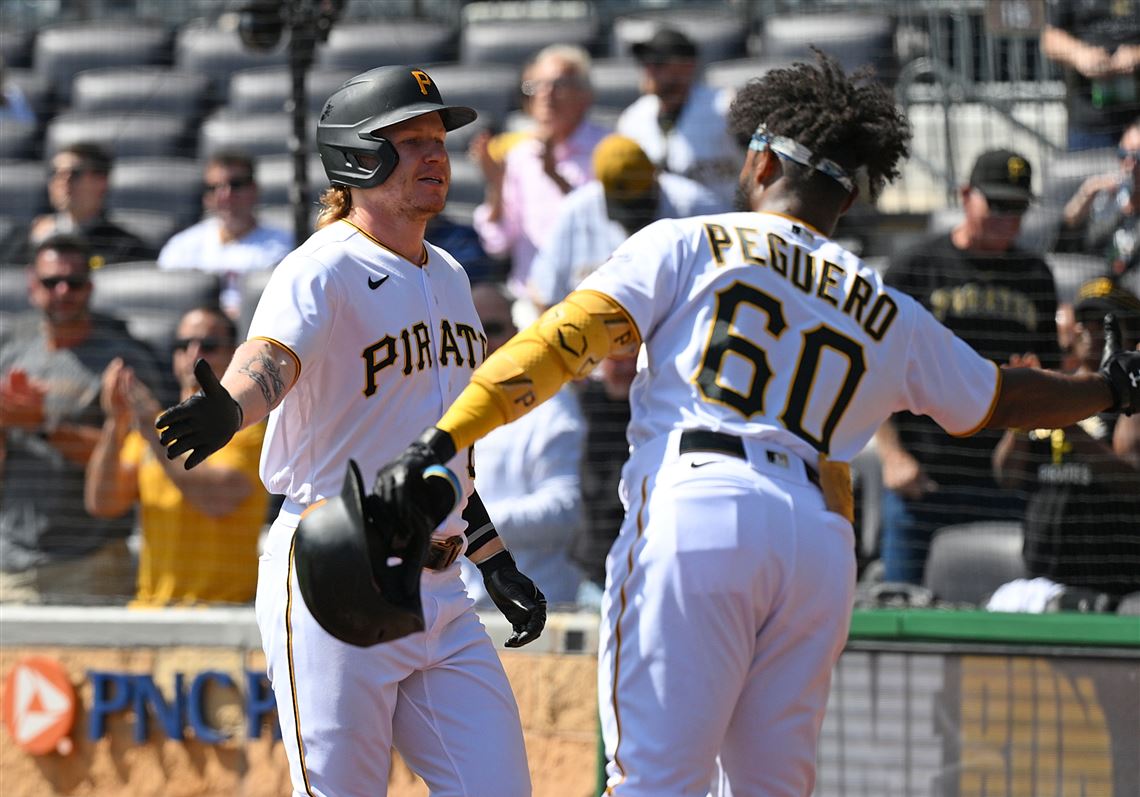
(367, 329)
(799, 341)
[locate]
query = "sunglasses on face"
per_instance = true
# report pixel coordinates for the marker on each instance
(531, 88)
(1007, 207)
(234, 184)
(70, 174)
(74, 283)
(206, 345)
(1125, 154)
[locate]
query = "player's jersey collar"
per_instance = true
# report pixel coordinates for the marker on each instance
(388, 248)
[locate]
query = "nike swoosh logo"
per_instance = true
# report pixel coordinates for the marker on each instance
(702, 464)
(374, 284)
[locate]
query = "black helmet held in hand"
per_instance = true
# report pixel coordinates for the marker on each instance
(370, 101)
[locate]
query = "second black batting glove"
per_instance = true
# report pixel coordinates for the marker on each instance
(201, 424)
(1121, 369)
(401, 486)
(516, 596)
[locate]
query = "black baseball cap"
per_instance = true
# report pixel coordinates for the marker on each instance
(1003, 174)
(1101, 295)
(667, 44)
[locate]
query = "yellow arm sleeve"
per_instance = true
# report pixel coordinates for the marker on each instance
(566, 342)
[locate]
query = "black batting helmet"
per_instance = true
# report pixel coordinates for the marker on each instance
(372, 100)
(358, 562)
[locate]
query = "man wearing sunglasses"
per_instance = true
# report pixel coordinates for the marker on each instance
(199, 527)
(999, 299)
(1103, 216)
(229, 241)
(50, 364)
(77, 187)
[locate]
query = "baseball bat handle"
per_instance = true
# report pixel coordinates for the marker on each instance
(445, 490)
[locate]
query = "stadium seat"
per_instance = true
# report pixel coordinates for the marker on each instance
(281, 217)
(275, 175)
(64, 51)
(206, 49)
(16, 46)
(13, 290)
(256, 134)
(492, 89)
(19, 140)
(855, 40)
(123, 135)
(719, 35)
(172, 185)
(268, 89)
(252, 284)
(467, 182)
(967, 562)
(513, 41)
(154, 226)
(366, 45)
(616, 82)
(1063, 174)
(140, 89)
(151, 299)
(736, 73)
(459, 140)
(23, 189)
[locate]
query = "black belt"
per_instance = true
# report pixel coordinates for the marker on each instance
(733, 446)
(441, 553)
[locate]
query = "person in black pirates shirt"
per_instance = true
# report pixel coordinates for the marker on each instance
(1082, 520)
(1000, 300)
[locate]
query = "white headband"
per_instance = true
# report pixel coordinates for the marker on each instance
(763, 139)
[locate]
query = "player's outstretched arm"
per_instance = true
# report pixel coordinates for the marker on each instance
(1032, 398)
(257, 379)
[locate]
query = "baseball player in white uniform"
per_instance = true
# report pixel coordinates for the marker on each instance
(773, 355)
(363, 335)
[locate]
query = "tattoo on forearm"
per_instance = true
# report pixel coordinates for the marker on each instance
(267, 377)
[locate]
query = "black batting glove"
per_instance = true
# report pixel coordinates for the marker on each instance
(1121, 369)
(201, 424)
(516, 596)
(416, 503)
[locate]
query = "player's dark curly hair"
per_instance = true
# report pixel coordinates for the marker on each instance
(850, 119)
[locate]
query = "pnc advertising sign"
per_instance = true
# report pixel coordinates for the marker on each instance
(39, 706)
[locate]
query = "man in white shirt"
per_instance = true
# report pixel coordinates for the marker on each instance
(679, 121)
(228, 241)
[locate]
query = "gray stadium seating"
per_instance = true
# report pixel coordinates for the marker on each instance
(853, 39)
(36, 87)
(719, 35)
(64, 51)
(366, 45)
(252, 284)
(172, 185)
(123, 135)
(154, 226)
(267, 89)
(1071, 270)
(256, 134)
(23, 189)
(206, 49)
(492, 89)
(13, 290)
(467, 182)
(275, 176)
(16, 46)
(135, 89)
(19, 140)
(513, 41)
(967, 562)
(736, 73)
(616, 82)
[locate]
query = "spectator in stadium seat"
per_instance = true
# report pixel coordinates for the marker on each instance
(1097, 43)
(680, 121)
(77, 190)
(14, 105)
(627, 193)
(528, 475)
(199, 527)
(525, 190)
(1002, 301)
(229, 241)
(1082, 519)
(1103, 216)
(51, 363)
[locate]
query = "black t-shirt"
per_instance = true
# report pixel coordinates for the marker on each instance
(1108, 24)
(1001, 304)
(1081, 529)
(606, 453)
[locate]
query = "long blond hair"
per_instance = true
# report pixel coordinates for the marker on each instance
(336, 202)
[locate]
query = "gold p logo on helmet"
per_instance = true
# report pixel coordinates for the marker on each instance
(1016, 167)
(422, 78)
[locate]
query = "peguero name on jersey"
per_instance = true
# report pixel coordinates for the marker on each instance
(873, 311)
(460, 345)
